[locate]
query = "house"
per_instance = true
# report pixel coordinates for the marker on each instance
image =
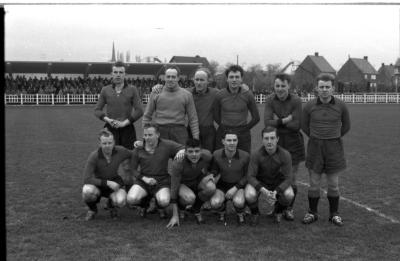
(190, 59)
(309, 69)
(357, 75)
(385, 78)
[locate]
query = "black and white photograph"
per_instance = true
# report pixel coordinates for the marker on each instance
(202, 130)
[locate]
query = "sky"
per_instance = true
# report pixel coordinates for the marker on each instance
(256, 33)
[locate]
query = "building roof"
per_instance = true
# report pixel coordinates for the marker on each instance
(397, 64)
(26, 67)
(322, 63)
(363, 65)
(388, 69)
(68, 67)
(190, 59)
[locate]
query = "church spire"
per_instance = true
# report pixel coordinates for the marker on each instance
(113, 54)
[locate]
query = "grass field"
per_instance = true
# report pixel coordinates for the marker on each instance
(46, 149)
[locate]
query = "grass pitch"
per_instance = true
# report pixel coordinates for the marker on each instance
(46, 149)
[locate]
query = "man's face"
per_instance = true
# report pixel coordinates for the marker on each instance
(193, 154)
(118, 74)
(270, 140)
(200, 81)
(107, 144)
(150, 136)
(324, 89)
(171, 79)
(281, 89)
(230, 142)
(234, 80)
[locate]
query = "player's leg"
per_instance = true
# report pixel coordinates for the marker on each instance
(218, 203)
(244, 140)
(91, 196)
(251, 196)
(205, 190)
(333, 198)
(117, 200)
(179, 134)
(186, 198)
(207, 137)
(288, 212)
(163, 197)
(136, 196)
(239, 203)
(313, 197)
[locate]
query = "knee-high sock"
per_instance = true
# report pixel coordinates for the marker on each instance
(197, 205)
(254, 208)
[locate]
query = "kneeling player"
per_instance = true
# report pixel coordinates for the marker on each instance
(190, 183)
(270, 173)
(101, 176)
(153, 179)
(230, 168)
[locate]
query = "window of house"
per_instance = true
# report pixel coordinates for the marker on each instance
(373, 76)
(366, 76)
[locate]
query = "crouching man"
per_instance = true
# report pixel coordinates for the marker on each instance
(270, 171)
(191, 184)
(101, 176)
(153, 178)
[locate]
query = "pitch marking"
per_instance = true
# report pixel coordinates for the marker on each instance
(376, 212)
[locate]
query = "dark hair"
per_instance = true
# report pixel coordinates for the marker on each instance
(105, 133)
(326, 77)
(119, 64)
(230, 131)
(152, 125)
(193, 143)
(167, 67)
(268, 129)
(234, 68)
(283, 77)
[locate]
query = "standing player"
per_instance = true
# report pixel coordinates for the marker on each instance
(283, 111)
(101, 175)
(191, 184)
(325, 120)
(170, 109)
(123, 109)
(229, 169)
(270, 173)
(153, 178)
(231, 109)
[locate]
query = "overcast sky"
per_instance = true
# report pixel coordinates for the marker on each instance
(259, 34)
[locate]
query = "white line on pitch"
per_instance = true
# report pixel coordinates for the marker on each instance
(376, 212)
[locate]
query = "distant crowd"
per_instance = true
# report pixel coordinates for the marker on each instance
(61, 86)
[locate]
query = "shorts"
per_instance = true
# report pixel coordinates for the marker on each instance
(244, 137)
(294, 143)
(325, 156)
(224, 186)
(163, 182)
(174, 132)
(125, 136)
(207, 137)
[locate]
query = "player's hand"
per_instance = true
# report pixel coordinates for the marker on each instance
(113, 185)
(180, 155)
(275, 116)
(138, 144)
(174, 221)
(149, 181)
(245, 87)
(157, 88)
(230, 193)
(288, 118)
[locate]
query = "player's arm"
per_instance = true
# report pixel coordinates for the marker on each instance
(305, 120)
(286, 170)
(137, 110)
(150, 108)
(176, 176)
(192, 115)
(98, 111)
(255, 115)
(253, 171)
(345, 120)
(295, 117)
(269, 114)
(89, 172)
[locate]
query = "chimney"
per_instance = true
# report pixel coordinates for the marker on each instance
(383, 64)
(366, 58)
(316, 53)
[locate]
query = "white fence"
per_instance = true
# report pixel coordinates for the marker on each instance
(70, 99)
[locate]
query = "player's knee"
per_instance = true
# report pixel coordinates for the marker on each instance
(187, 199)
(250, 194)
(163, 199)
(120, 200)
(90, 193)
(239, 202)
(209, 189)
(216, 202)
(132, 199)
